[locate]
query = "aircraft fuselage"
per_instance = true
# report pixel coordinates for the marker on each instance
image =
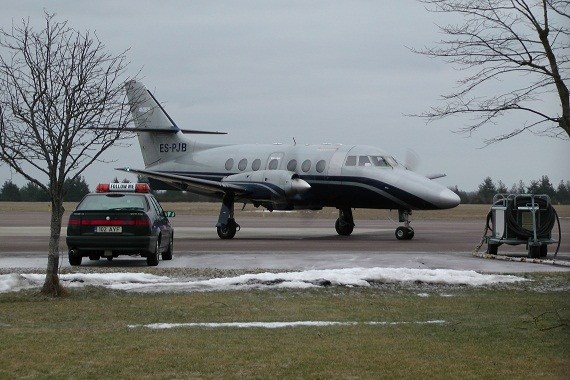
(342, 176)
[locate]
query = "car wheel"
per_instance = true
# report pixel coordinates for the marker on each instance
(168, 254)
(152, 257)
(74, 260)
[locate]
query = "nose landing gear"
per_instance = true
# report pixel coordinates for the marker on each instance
(404, 232)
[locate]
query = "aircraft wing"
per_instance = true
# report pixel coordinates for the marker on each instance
(189, 183)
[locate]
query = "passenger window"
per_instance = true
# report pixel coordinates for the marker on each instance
(306, 166)
(273, 164)
(229, 164)
(256, 164)
(351, 161)
(242, 164)
(364, 161)
(292, 165)
(321, 166)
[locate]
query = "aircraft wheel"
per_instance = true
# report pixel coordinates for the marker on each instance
(227, 231)
(403, 233)
(343, 228)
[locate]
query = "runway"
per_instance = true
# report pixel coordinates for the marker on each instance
(288, 243)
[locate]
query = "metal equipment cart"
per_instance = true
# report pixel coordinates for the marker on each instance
(521, 219)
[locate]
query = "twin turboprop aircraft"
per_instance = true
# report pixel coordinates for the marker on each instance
(279, 177)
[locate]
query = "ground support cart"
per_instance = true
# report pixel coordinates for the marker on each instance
(521, 219)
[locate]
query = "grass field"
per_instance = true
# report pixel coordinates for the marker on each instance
(507, 331)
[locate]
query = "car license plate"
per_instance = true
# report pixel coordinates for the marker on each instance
(109, 229)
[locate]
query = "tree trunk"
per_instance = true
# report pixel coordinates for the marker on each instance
(52, 287)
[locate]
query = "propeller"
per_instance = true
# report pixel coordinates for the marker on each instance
(412, 160)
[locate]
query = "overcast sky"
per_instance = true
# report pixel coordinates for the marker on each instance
(317, 71)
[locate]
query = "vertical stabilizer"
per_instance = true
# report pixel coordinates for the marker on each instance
(163, 141)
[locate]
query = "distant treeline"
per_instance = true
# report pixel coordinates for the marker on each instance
(487, 189)
(76, 189)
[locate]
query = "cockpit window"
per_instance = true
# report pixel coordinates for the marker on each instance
(377, 161)
(391, 161)
(364, 161)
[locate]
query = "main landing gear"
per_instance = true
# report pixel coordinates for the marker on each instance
(227, 226)
(404, 232)
(344, 225)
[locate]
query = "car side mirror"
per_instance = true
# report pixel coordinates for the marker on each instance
(169, 214)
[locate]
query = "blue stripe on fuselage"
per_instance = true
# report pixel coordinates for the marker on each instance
(337, 191)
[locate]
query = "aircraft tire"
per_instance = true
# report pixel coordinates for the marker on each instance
(343, 229)
(403, 233)
(227, 231)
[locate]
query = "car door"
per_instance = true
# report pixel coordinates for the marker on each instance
(162, 223)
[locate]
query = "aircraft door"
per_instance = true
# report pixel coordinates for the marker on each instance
(274, 161)
(337, 161)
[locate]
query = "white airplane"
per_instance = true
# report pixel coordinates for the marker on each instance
(276, 176)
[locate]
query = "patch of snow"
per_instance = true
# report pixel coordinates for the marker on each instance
(274, 325)
(360, 277)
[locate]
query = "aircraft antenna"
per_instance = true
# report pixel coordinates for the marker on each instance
(294, 142)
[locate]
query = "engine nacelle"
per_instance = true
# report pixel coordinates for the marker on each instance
(270, 183)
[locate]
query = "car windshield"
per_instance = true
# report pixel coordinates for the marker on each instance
(103, 202)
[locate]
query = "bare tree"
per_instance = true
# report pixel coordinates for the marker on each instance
(56, 84)
(502, 39)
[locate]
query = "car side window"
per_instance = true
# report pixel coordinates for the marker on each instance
(156, 207)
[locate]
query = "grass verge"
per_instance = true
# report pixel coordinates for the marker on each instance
(515, 331)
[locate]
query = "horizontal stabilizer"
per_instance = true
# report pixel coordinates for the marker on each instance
(435, 176)
(189, 183)
(160, 130)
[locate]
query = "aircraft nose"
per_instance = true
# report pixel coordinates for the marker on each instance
(447, 199)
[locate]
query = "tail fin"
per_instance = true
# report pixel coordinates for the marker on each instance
(162, 142)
